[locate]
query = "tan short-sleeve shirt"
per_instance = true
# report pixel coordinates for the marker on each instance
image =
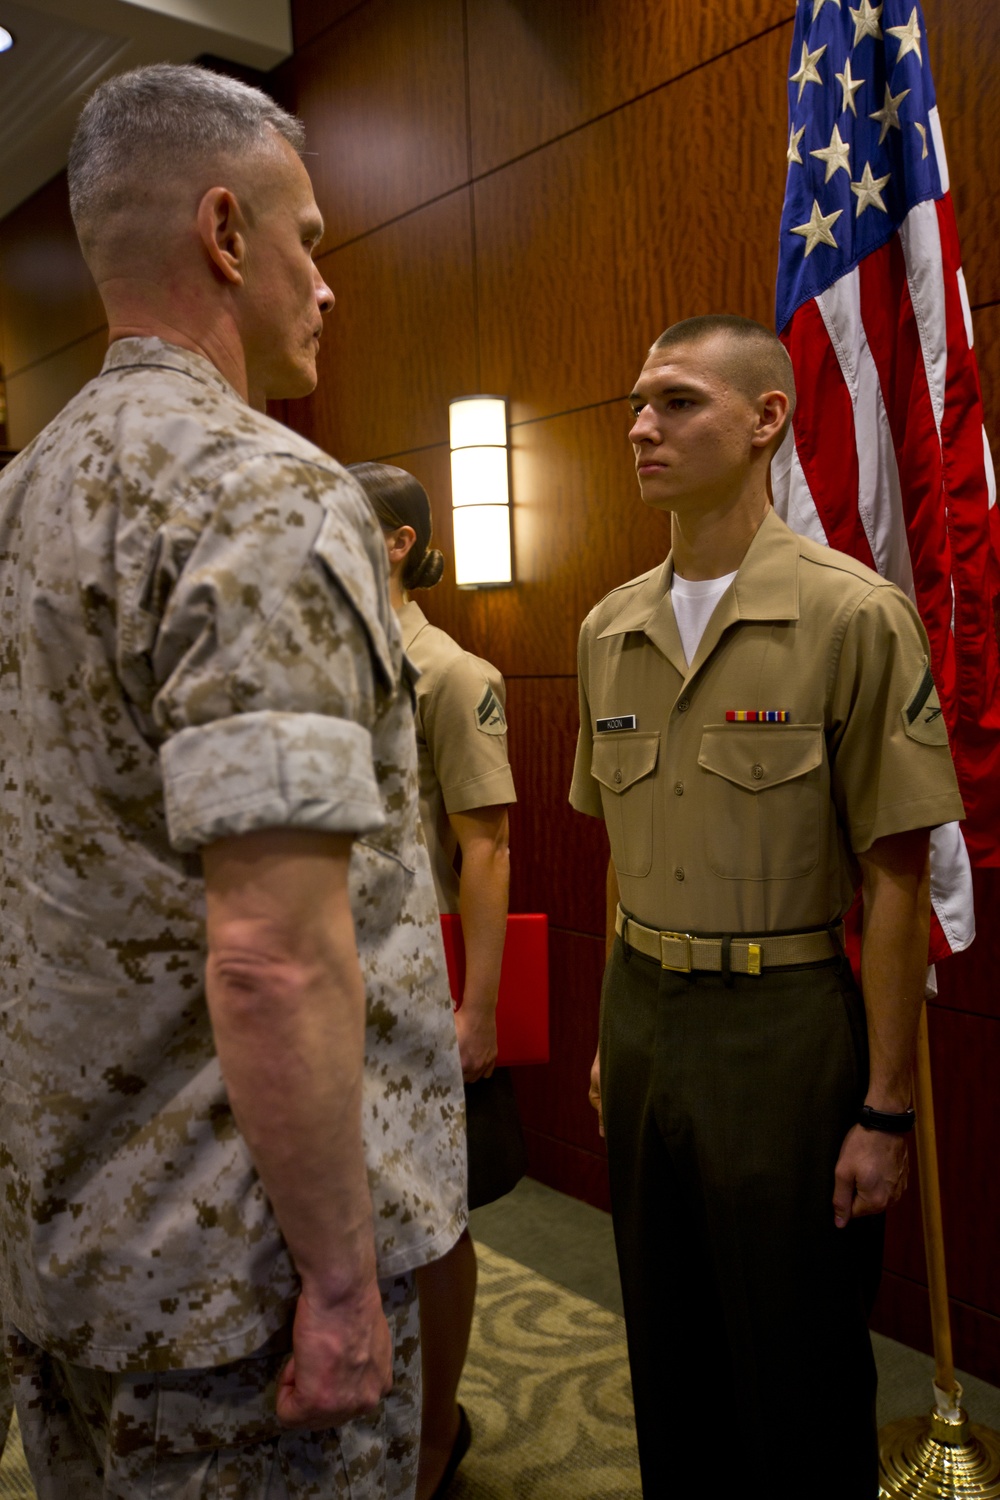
(198, 642)
(461, 740)
(722, 825)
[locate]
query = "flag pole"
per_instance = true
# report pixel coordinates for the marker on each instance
(942, 1455)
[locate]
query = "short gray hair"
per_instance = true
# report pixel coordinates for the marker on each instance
(145, 122)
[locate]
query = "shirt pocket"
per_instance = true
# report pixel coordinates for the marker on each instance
(624, 766)
(762, 802)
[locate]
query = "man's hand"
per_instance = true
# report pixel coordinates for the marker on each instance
(341, 1364)
(477, 1041)
(871, 1174)
(595, 1090)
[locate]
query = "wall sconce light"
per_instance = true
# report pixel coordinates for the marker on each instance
(480, 491)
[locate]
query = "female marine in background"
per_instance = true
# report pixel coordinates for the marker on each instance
(465, 789)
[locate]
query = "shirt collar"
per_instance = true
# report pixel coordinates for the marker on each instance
(157, 354)
(411, 622)
(766, 587)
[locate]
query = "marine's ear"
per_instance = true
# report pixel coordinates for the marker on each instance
(222, 231)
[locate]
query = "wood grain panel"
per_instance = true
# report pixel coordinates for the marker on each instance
(461, 612)
(589, 249)
(39, 393)
(581, 1174)
(400, 342)
(310, 17)
(536, 71)
(965, 1053)
(902, 1312)
(968, 982)
(964, 40)
(986, 334)
(965, 1057)
(382, 96)
(580, 529)
(558, 856)
(50, 298)
(552, 1097)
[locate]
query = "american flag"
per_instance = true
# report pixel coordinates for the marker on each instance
(890, 461)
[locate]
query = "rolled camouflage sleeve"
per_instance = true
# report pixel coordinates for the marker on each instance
(276, 649)
(269, 770)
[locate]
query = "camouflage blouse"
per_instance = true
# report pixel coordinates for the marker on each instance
(196, 641)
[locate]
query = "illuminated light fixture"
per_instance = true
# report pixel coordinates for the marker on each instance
(6, 40)
(480, 491)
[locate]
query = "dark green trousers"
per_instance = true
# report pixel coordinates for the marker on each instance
(746, 1309)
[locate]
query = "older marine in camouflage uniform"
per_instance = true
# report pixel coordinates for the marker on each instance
(197, 648)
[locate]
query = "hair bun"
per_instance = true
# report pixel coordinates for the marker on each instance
(430, 570)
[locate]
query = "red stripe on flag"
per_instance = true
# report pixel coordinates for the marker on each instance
(976, 570)
(824, 432)
(894, 341)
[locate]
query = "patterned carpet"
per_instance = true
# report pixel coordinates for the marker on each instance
(546, 1388)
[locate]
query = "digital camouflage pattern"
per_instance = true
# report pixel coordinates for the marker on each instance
(195, 641)
(195, 1434)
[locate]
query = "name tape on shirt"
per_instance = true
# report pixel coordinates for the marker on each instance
(922, 716)
(489, 714)
(609, 726)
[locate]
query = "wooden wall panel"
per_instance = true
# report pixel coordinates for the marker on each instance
(49, 296)
(589, 249)
(310, 17)
(964, 41)
(552, 1098)
(539, 70)
(580, 529)
(382, 95)
(558, 856)
(902, 1312)
(400, 342)
(569, 1169)
(968, 982)
(37, 394)
(986, 336)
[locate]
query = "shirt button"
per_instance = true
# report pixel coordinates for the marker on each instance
(683, 704)
(618, 777)
(758, 772)
(678, 873)
(678, 788)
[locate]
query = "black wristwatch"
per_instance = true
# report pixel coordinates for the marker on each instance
(877, 1119)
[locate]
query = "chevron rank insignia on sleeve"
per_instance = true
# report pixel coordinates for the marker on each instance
(489, 714)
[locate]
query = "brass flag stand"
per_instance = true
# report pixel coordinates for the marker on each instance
(942, 1455)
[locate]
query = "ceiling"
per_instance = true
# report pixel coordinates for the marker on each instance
(64, 48)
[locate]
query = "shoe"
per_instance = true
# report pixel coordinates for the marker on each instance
(459, 1449)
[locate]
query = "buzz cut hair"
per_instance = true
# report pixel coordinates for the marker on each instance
(162, 121)
(756, 359)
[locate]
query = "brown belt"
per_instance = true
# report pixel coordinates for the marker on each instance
(684, 951)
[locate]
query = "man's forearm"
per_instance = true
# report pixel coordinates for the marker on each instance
(288, 1013)
(894, 961)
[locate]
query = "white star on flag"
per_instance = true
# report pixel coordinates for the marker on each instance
(850, 86)
(818, 231)
(909, 37)
(869, 190)
(807, 68)
(866, 19)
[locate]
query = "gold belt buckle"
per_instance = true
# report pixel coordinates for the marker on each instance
(676, 937)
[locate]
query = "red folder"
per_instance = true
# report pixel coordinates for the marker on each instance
(523, 1004)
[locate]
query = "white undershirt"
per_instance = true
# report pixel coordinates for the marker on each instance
(694, 603)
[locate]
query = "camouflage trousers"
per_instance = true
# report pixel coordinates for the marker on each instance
(211, 1434)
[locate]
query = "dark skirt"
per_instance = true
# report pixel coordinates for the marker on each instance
(497, 1158)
